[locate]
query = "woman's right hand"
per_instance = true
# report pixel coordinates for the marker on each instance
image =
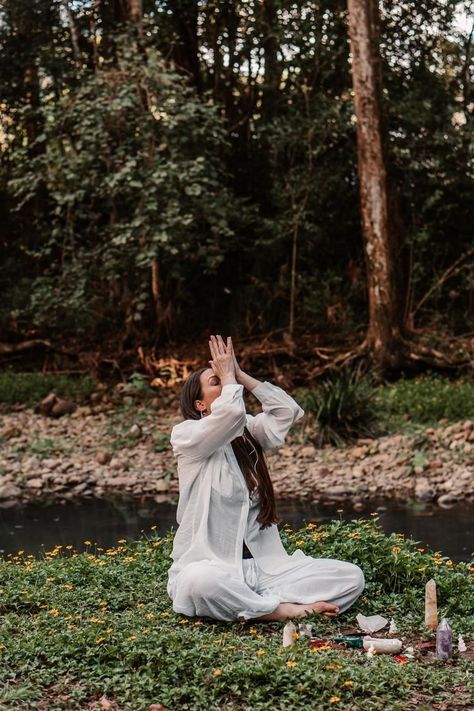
(222, 362)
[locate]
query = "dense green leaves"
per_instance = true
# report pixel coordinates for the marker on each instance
(154, 183)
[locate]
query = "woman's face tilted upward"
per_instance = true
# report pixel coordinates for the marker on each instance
(211, 388)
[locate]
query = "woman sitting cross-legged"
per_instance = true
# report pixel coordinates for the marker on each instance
(228, 559)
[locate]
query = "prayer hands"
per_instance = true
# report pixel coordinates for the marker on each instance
(223, 359)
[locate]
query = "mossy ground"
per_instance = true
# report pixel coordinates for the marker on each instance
(78, 627)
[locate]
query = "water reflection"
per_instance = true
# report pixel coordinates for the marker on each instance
(34, 528)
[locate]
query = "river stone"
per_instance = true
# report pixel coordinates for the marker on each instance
(10, 432)
(135, 430)
(116, 464)
(9, 491)
(447, 500)
(161, 485)
(308, 451)
(80, 488)
(36, 483)
(423, 491)
(337, 492)
(63, 407)
(103, 457)
(118, 481)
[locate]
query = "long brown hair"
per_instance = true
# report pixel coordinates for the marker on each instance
(246, 450)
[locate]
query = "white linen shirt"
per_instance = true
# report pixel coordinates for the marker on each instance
(214, 512)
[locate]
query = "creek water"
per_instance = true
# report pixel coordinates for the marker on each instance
(35, 528)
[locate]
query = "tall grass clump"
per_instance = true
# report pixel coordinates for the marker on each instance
(342, 407)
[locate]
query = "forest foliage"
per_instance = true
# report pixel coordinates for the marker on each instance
(153, 172)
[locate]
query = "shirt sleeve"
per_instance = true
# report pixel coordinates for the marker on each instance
(280, 412)
(198, 439)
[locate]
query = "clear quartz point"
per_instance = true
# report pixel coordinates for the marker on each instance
(444, 640)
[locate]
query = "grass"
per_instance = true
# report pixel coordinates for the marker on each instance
(30, 388)
(76, 626)
(426, 400)
(347, 406)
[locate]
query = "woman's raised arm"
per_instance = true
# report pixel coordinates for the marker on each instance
(198, 439)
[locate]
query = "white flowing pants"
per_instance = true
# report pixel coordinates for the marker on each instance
(204, 589)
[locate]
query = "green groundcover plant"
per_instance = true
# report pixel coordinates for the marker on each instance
(80, 627)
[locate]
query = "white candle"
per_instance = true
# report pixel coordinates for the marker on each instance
(383, 646)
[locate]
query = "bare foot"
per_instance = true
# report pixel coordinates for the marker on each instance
(290, 610)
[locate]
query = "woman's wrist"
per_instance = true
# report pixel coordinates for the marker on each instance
(246, 380)
(228, 380)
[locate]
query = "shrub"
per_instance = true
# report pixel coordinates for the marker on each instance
(343, 407)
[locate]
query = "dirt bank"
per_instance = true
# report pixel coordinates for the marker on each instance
(103, 448)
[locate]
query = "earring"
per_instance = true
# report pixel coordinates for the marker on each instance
(202, 414)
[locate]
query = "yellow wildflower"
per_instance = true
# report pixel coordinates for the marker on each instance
(291, 664)
(54, 612)
(334, 699)
(183, 622)
(217, 672)
(260, 652)
(348, 683)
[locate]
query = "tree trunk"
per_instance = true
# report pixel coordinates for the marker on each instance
(186, 49)
(385, 331)
(270, 44)
(73, 30)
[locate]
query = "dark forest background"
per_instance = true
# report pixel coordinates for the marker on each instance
(173, 167)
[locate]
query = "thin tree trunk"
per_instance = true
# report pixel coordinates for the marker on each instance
(136, 14)
(73, 30)
(186, 49)
(384, 336)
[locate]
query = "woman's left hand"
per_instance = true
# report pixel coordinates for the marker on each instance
(238, 370)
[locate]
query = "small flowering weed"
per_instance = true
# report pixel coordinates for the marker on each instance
(73, 630)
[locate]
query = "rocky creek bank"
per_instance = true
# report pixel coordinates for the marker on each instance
(101, 449)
